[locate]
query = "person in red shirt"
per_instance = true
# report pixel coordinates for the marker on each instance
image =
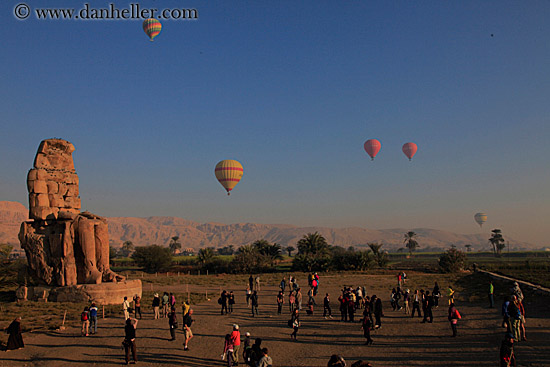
(236, 341)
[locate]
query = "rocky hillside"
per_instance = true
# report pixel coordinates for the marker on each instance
(159, 230)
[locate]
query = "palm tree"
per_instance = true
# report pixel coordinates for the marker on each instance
(313, 243)
(205, 255)
(410, 242)
(381, 258)
(174, 244)
(497, 241)
(289, 249)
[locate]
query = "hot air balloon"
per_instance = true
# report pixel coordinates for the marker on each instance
(229, 172)
(152, 27)
(409, 149)
(372, 147)
(480, 218)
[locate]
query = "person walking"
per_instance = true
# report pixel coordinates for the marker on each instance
(310, 296)
(251, 282)
(378, 312)
(366, 325)
(516, 291)
(228, 350)
(254, 301)
(283, 285)
(137, 306)
(291, 301)
(85, 318)
(93, 318)
(522, 321)
(236, 341)
(230, 301)
(515, 318)
(280, 302)
(156, 306)
(295, 322)
(406, 301)
(187, 333)
(299, 299)
(326, 307)
(257, 283)
(453, 317)
(130, 339)
(507, 355)
(165, 303)
(506, 315)
(248, 295)
(173, 323)
(15, 339)
(125, 308)
(416, 303)
(491, 297)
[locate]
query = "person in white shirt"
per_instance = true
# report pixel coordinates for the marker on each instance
(125, 307)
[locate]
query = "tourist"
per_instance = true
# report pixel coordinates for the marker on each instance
(247, 348)
(397, 298)
(406, 301)
(299, 299)
(436, 293)
(309, 309)
(280, 302)
(187, 333)
(315, 284)
(254, 301)
(451, 295)
(236, 341)
(228, 350)
(185, 307)
(257, 283)
(266, 360)
(251, 282)
(366, 325)
(156, 305)
(165, 302)
(310, 296)
(230, 301)
(516, 291)
(173, 323)
(85, 318)
(295, 323)
(378, 313)
(428, 304)
(223, 302)
(283, 285)
(15, 340)
(291, 301)
(255, 352)
(399, 279)
(126, 308)
(172, 300)
(351, 308)
(453, 317)
(491, 292)
(416, 303)
(343, 300)
(93, 318)
(248, 295)
(392, 298)
(137, 306)
(522, 321)
(515, 318)
(326, 307)
(507, 355)
(506, 315)
(130, 339)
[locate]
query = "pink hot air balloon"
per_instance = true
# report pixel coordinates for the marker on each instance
(410, 150)
(372, 147)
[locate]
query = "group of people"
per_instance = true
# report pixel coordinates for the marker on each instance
(513, 319)
(253, 354)
(88, 317)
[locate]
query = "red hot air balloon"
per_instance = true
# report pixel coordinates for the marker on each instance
(410, 150)
(372, 147)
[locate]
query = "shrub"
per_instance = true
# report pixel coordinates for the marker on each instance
(152, 258)
(452, 260)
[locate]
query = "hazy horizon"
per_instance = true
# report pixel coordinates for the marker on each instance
(292, 91)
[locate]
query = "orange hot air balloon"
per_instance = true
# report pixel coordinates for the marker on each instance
(372, 147)
(410, 150)
(152, 27)
(229, 172)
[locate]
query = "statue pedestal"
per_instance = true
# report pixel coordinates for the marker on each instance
(104, 293)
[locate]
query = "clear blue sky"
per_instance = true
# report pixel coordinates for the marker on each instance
(292, 90)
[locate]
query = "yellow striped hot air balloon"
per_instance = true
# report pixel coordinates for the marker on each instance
(152, 27)
(229, 172)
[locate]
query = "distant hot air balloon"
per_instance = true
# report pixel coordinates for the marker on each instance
(229, 172)
(480, 218)
(372, 147)
(409, 149)
(152, 27)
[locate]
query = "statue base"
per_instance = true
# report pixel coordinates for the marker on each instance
(104, 293)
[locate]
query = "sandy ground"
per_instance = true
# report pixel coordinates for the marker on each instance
(402, 341)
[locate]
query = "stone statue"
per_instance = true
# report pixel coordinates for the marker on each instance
(64, 247)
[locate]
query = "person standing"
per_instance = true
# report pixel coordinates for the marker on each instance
(85, 318)
(248, 295)
(172, 301)
(156, 306)
(173, 323)
(429, 306)
(436, 293)
(230, 301)
(453, 317)
(451, 295)
(254, 301)
(515, 318)
(93, 318)
(516, 291)
(406, 301)
(378, 313)
(506, 315)
(416, 303)
(257, 283)
(366, 325)
(228, 350)
(187, 333)
(266, 360)
(310, 296)
(236, 341)
(507, 355)
(130, 339)
(165, 302)
(522, 321)
(491, 298)
(280, 302)
(251, 282)
(283, 285)
(326, 307)
(125, 308)
(291, 301)
(137, 306)
(295, 322)
(15, 340)
(223, 302)
(299, 299)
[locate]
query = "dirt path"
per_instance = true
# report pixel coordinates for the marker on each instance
(402, 341)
